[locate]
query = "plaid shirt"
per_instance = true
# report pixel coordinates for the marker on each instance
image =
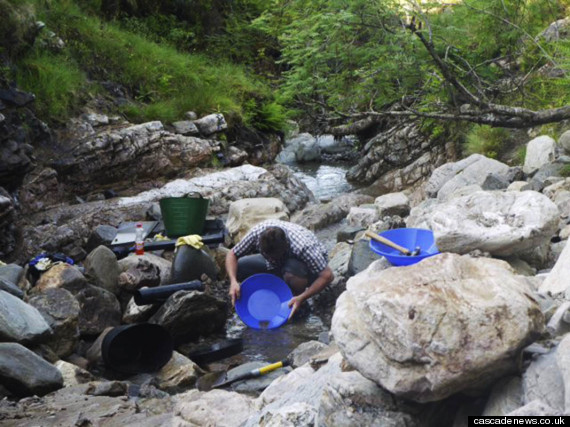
(303, 244)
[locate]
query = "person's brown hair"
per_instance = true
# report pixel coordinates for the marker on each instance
(273, 243)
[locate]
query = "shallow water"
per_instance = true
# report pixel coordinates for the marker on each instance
(275, 344)
(325, 181)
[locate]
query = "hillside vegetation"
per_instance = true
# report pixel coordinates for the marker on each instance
(260, 62)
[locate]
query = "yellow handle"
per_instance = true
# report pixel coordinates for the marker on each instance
(270, 368)
(387, 242)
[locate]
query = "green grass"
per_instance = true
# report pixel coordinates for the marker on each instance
(164, 82)
(485, 140)
(57, 82)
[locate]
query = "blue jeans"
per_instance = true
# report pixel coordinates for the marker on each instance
(255, 264)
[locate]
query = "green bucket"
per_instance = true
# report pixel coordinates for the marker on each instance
(184, 215)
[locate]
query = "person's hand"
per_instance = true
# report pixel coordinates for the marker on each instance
(295, 303)
(235, 291)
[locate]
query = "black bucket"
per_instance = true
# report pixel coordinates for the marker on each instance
(135, 349)
(161, 293)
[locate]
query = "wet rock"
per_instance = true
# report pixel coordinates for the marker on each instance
(539, 152)
(9, 277)
(503, 224)
(24, 373)
(179, 374)
(16, 97)
(186, 315)
(348, 233)
(361, 257)
(102, 269)
(61, 311)
(99, 310)
(73, 375)
(21, 322)
(244, 214)
(61, 276)
(426, 324)
(211, 124)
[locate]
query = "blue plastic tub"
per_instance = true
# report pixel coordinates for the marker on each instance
(409, 238)
(264, 301)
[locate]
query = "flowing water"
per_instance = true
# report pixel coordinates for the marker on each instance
(326, 182)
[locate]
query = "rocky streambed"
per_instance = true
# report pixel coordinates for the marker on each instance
(479, 329)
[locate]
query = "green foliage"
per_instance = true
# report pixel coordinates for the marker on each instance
(565, 171)
(520, 155)
(57, 82)
(165, 82)
(485, 140)
(16, 27)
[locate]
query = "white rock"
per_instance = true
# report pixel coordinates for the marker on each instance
(539, 152)
(472, 170)
(393, 204)
(557, 282)
(564, 141)
(446, 324)
(501, 223)
(245, 213)
(362, 216)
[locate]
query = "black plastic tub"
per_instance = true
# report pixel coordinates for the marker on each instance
(138, 348)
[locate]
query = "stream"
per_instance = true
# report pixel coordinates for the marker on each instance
(326, 182)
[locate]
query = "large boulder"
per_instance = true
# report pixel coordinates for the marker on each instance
(100, 309)
(63, 276)
(187, 315)
(539, 152)
(472, 170)
(61, 310)
(245, 213)
(429, 330)
(501, 223)
(102, 268)
(302, 148)
(24, 373)
(21, 322)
